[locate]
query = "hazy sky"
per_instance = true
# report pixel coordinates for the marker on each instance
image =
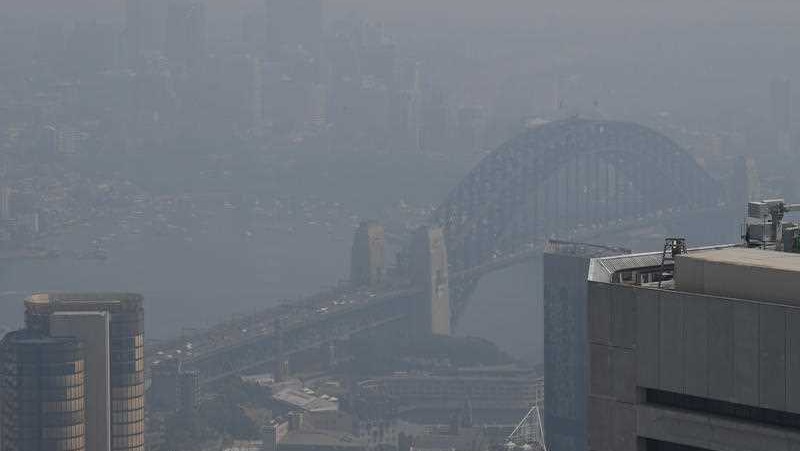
(481, 12)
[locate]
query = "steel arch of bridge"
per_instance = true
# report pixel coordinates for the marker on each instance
(565, 175)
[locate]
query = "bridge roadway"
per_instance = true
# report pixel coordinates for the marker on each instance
(248, 343)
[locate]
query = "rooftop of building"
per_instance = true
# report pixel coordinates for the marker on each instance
(306, 400)
(603, 269)
(29, 337)
(750, 257)
(464, 439)
(83, 298)
(47, 303)
(319, 438)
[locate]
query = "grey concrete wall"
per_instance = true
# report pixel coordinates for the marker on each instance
(732, 350)
(91, 328)
(612, 338)
(707, 432)
(739, 279)
(565, 351)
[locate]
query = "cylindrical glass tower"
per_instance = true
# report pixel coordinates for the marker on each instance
(126, 327)
(42, 393)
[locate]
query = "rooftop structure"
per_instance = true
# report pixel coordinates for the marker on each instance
(306, 401)
(315, 439)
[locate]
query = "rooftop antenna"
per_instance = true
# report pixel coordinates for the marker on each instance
(672, 247)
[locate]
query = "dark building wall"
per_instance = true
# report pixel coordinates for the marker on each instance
(565, 368)
(42, 393)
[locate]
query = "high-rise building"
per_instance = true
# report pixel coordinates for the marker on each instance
(295, 26)
(42, 393)
(186, 34)
(173, 389)
(566, 267)
(142, 28)
(705, 360)
(126, 353)
(781, 112)
(5, 203)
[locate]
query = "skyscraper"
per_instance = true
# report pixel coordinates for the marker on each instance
(142, 29)
(295, 25)
(126, 353)
(781, 112)
(42, 393)
(186, 34)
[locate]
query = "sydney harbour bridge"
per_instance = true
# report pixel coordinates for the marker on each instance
(570, 179)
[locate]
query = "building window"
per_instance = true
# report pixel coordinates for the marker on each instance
(767, 417)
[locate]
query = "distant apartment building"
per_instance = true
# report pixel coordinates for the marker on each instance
(504, 387)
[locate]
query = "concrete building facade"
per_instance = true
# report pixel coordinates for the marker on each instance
(710, 361)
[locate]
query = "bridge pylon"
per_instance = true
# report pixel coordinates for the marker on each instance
(428, 266)
(367, 265)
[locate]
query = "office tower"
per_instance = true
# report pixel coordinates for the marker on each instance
(781, 109)
(707, 359)
(295, 26)
(5, 203)
(186, 34)
(173, 389)
(91, 329)
(367, 257)
(566, 266)
(41, 393)
(142, 28)
(126, 332)
(434, 128)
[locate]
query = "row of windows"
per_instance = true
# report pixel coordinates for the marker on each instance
(55, 419)
(726, 409)
(128, 404)
(127, 392)
(69, 444)
(120, 429)
(127, 366)
(131, 352)
(119, 379)
(127, 342)
(66, 380)
(36, 369)
(127, 442)
(72, 431)
(74, 405)
(128, 416)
